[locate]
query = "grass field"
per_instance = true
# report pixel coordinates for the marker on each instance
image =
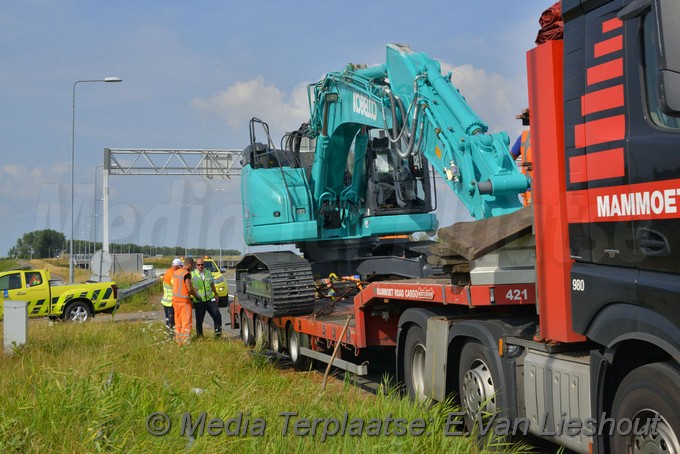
(98, 387)
(7, 265)
(95, 386)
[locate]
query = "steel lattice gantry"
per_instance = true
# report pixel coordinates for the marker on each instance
(210, 163)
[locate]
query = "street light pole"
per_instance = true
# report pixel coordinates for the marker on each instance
(73, 160)
(186, 235)
(219, 231)
(95, 206)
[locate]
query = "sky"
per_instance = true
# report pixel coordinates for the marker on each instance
(193, 74)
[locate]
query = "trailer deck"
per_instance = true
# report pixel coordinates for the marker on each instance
(373, 313)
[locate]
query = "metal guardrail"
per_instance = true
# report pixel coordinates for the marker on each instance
(137, 287)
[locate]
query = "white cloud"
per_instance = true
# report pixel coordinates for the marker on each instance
(243, 100)
(20, 182)
(495, 99)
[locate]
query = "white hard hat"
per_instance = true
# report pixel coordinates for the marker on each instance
(177, 262)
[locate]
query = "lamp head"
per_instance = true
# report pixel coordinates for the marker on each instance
(112, 79)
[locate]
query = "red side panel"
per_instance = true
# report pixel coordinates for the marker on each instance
(597, 166)
(544, 70)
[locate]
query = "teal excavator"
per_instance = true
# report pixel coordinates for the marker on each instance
(348, 205)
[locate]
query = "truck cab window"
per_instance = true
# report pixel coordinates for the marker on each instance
(651, 59)
(33, 279)
(10, 282)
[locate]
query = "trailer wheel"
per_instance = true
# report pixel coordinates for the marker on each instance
(78, 311)
(414, 363)
(246, 335)
(477, 380)
(275, 338)
(260, 333)
(295, 341)
(647, 394)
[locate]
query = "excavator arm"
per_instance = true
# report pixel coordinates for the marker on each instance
(423, 115)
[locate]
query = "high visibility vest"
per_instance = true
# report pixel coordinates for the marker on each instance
(203, 284)
(525, 147)
(167, 288)
(180, 291)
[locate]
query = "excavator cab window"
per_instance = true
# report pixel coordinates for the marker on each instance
(262, 157)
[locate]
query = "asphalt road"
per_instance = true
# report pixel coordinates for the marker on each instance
(159, 315)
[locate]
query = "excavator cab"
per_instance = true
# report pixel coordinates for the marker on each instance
(395, 184)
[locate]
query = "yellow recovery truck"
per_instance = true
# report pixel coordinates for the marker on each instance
(76, 302)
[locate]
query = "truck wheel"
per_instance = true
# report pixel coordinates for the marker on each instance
(77, 311)
(295, 341)
(274, 337)
(414, 363)
(649, 398)
(246, 335)
(477, 380)
(260, 333)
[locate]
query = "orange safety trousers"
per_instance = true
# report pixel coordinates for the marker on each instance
(183, 321)
(182, 307)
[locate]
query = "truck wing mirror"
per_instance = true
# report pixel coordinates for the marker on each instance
(634, 9)
(668, 15)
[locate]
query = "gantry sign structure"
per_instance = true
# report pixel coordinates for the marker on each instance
(209, 163)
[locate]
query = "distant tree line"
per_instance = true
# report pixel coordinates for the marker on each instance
(49, 243)
(38, 244)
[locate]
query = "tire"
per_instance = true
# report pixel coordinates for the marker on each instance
(246, 334)
(78, 311)
(275, 341)
(478, 383)
(223, 301)
(414, 363)
(260, 333)
(648, 392)
(295, 341)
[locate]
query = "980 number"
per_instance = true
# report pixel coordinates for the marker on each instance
(578, 285)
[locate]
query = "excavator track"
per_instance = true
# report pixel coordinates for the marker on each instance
(275, 284)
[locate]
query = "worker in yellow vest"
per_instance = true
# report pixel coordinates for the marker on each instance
(166, 300)
(205, 286)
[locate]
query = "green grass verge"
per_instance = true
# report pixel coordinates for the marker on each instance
(92, 387)
(8, 265)
(148, 299)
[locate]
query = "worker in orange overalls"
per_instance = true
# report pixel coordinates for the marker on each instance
(166, 300)
(182, 291)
